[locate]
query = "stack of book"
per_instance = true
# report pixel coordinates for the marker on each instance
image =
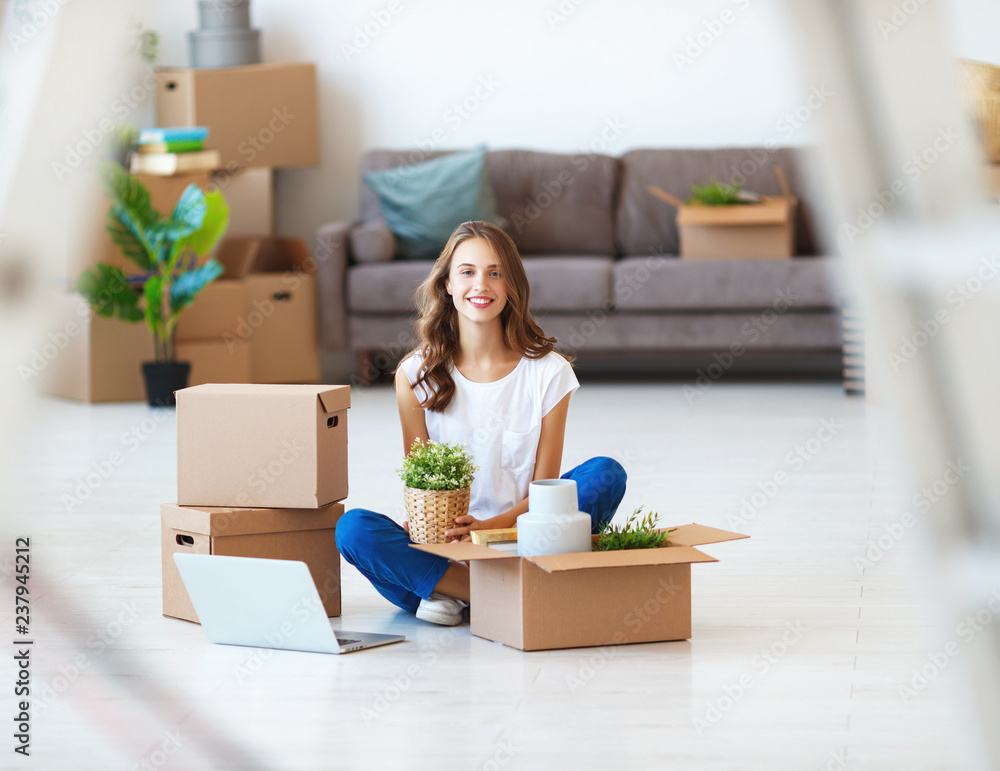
(169, 151)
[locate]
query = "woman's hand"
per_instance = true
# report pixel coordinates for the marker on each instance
(464, 525)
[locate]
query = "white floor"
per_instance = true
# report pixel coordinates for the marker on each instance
(797, 658)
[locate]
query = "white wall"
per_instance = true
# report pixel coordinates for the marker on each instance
(561, 73)
(556, 84)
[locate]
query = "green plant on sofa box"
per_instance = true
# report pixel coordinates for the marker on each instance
(718, 193)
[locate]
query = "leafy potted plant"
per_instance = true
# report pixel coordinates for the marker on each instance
(717, 193)
(437, 476)
(637, 533)
(168, 251)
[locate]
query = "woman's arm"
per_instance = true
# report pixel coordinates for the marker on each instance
(548, 460)
(411, 414)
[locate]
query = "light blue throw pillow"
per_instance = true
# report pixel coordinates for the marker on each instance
(423, 203)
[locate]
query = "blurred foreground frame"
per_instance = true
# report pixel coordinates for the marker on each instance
(898, 103)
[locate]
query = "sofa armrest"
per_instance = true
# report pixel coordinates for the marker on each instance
(332, 255)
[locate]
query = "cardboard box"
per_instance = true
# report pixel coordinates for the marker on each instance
(262, 445)
(584, 599)
(250, 194)
(216, 361)
(749, 232)
(285, 345)
(266, 299)
(88, 357)
(257, 115)
(215, 313)
(286, 534)
(281, 314)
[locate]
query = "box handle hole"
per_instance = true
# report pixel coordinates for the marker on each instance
(171, 85)
(281, 296)
(185, 540)
(332, 422)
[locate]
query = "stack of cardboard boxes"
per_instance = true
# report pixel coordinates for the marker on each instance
(257, 323)
(260, 117)
(261, 471)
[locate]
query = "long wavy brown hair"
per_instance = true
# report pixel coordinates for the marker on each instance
(437, 324)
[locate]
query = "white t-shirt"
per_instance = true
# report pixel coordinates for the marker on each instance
(500, 423)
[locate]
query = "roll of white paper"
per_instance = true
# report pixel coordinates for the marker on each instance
(553, 523)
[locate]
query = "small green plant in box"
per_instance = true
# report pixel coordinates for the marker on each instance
(638, 532)
(718, 194)
(438, 466)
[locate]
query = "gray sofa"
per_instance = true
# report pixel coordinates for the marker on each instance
(601, 256)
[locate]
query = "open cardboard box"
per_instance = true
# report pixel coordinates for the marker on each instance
(266, 299)
(759, 231)
(587, 598)
(762, 230)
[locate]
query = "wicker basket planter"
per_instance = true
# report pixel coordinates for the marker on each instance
(431, 512)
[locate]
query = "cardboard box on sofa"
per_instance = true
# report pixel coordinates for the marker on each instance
(584, 599)
(257, 115)
(216, 361)
(88, 357)
(760, 231)
(288, 534)
(281, 446)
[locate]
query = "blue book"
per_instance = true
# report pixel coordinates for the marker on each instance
(176, 134)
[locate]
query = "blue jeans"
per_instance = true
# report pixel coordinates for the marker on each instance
(380, 548)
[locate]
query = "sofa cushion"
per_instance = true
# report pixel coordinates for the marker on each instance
(568, 282)
(423, 203)
(385, 287)
(553, 203)
(666, 283)
(556, 203)
(645, 224)
(372, 242)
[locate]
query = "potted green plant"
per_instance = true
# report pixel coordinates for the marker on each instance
(717, 193)
(168, 251)
(437, 476)
(638, 532)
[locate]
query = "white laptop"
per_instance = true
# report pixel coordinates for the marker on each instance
(265, 603)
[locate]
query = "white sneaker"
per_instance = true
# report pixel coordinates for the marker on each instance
(439, 609)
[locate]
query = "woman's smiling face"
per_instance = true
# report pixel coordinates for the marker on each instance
(475, 282)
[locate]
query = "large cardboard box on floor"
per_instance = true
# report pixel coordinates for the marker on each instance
(282, 446)
(584, 599)
(758, 231)
(267, 299)
(286, 534)
(257, 115)
(88, 357)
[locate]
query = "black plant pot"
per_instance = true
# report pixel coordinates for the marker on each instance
(162, 379)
